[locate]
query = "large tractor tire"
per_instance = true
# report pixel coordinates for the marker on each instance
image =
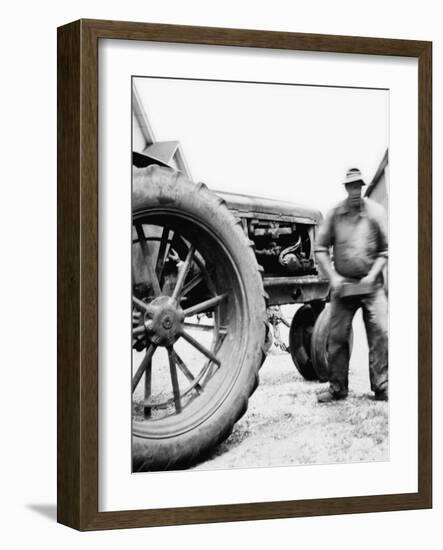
(300, 336)
(319, 344)
(198, 320)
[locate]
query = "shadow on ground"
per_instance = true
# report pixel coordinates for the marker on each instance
(49, 511)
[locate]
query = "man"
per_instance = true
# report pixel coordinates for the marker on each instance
(356, 231)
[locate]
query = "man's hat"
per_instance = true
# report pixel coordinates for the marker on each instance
(353, 174)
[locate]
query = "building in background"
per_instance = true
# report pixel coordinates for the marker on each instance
(146, 149)
(378, 189)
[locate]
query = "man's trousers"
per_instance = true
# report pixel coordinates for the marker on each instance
(375, 317)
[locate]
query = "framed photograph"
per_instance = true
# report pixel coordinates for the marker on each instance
(244, 254)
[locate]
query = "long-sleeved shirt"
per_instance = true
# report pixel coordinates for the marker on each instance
(357, 237)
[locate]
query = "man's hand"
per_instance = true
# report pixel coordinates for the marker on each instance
(375, 271)
(335, 280)
(368, 279)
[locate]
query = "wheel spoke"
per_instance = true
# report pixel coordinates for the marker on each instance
(183, 273)
(163, 251)
(205, 328)
(140, 304)
(174, 380)
(135, 317)
(138, 331)
(204, 306)
(210, 365)
(148, 380)
(192, 284)
(164, 404)
(203, 270)
(200, 347)
(186, 371)
(206, 275)
(148, 260)
(143, 365)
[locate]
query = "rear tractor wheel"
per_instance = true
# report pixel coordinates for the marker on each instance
(198, 320)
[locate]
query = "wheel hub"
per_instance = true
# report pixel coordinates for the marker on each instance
(163, 321)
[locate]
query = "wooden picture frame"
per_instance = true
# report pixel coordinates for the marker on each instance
(77, 480)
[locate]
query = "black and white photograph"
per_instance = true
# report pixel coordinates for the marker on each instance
(218, 299)
(260, 243)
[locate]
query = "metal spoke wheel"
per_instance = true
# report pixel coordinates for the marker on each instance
(198, 320)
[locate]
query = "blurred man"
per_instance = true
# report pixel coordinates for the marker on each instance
(356, 232)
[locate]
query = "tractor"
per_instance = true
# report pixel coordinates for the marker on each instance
(210, 271)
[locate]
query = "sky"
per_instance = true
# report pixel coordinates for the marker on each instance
(290, 142)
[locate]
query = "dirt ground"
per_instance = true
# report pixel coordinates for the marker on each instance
(284, 425)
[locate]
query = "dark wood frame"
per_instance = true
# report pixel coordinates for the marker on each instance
(77, 456)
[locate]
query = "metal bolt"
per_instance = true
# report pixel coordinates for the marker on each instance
(167, 323)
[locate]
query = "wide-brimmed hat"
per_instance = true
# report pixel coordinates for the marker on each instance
(353, 174)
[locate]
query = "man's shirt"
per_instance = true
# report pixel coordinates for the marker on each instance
(358, 238)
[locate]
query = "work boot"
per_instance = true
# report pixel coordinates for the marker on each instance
(327, 396)
(381, 395)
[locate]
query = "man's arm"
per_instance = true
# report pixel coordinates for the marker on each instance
(324, 261)
(322, 245)
(379, 219)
